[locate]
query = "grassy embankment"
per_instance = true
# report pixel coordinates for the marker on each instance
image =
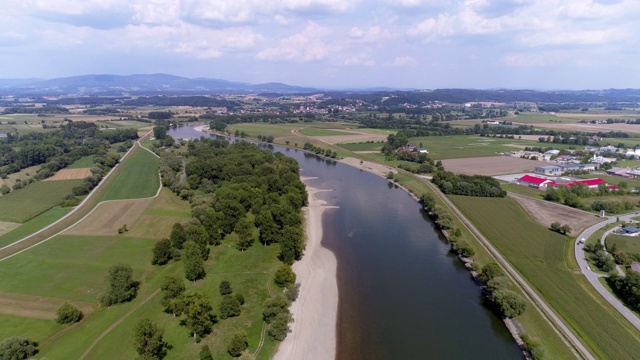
(80, 264)
(536, 327)
(628, 244)
(539, 255)
(139, 181)
(33, 225)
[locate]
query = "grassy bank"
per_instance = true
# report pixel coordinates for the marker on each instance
(538, 254)
(138, 179)
(34, 199)
(39, 222)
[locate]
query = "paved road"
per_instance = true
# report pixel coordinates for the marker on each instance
(559, 326)
(593, 277)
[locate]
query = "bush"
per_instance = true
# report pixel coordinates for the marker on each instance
(229, 307)
(279, 327)
(225, 288)
(463, 248)
(284, 276)
(509, 303)
(238, 344)
(292, 291)
(240, 298)
(68, 313)
(16, 348)
(205, 353)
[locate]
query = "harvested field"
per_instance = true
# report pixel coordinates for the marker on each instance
(70, 174)
(38, 307)
(350, 136)
(546, 212)
(5, 227)
(591, 127)
(108, 217)
(489, 165)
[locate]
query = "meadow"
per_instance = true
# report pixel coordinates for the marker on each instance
(34, 199)
(539, 255)
(83, 162)
(463, 146)
(364, 146)
(628, 244)
(32, 225)
(323, 132)
(138, 179)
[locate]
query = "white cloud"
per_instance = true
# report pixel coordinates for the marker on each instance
(535, 59)
(360, 59)
(371, 34)
(402, 61)
(309, 45)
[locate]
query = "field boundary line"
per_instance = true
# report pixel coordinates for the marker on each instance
(545, 310)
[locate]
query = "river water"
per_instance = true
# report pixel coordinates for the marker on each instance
(402, 295)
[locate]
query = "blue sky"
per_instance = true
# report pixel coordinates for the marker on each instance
(534, 44)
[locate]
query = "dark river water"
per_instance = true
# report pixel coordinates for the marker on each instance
(402, 295)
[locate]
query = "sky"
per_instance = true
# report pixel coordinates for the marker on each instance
(337, 44)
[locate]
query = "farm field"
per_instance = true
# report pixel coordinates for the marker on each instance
(281, 130)
(108, 217)
(34, 199)
(22, 174)
(139, 179)
(323, 132)
(539, 255)
(33, 225)
(523, 190)
(628, 244)
(69, 174)
(83, 162)
(489, 165)
(546, 212)
(363, 146)
(464, 146)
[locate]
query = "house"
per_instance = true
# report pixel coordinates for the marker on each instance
(601, 159)
(634, 153)
(629, 231)
(635, 266)
(423, 150)
(617, 171)
(548, 170)
(608, 149)
(534, 181)
(591, 183)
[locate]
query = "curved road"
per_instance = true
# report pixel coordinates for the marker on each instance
(593, 277)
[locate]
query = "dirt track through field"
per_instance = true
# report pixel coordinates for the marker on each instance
(70, 174)
(38, 307)
(546, 212)
(489, 165)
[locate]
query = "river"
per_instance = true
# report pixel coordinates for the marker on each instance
(402, 295)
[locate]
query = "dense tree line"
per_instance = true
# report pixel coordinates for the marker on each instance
(627, 288)
(508, 303)
(47, 109)
(195, 101)
(572, 196)
(468, 185)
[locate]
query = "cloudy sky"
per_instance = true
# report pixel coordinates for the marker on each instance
(535, 44)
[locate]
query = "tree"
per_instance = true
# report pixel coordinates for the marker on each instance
(193, 263)
(490, 271)
(279, 327)
(229, 307)
(509, 303)
(68, 313)
(148, 340)
(284, 276)
(205, 353)
(292, 291)
(178, 236)
(172, 288)
(274, 306)
(240, 298)
(238, 344)
(565, 229)
(159, 132)
(198, 235)
(291, 244)
(199, 316)
(122, 287)
(16, 348)
(555, 226)
(162, 252)
(244, 231)
(5, 189)
(225, 288)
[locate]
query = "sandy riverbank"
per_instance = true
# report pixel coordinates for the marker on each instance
(375, 168)
(313, 332)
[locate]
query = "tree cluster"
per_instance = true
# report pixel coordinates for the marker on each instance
(122, 287)
(627, 288)
(320, 151)
(468, 185)
(506, 301)
(561, 229)
(603, 260)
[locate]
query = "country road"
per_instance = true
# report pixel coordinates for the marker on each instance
(558, 325)
(592, 277)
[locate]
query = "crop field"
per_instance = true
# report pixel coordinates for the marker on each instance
(37, 307)
(83, 162)
(33, 225)
(362, 146)
(6, 227)
(139, 178)
(34, 199)
(69, 174)
(463, 146)
(108, 217)
(323, 132)
(22, 174)
(628, 244)
(489, 165)
(539, 255)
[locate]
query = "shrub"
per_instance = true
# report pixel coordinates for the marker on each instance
(284, 276)
(68, 313)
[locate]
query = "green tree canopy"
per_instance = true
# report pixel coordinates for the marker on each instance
(17, 348)
(68, 313)
(148, 340)
(122, 287)
(193, 262)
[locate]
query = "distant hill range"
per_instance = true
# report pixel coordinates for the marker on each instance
(139, 84)
(164, 84)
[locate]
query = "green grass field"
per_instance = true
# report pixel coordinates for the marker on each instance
(83, 162)
(628, 244)
(463, 146)
(523, 190)
(33, 225)
(323, 132)
(539, 255)
(37, 329)
(376, 146)
(139, 179)
(34, 199)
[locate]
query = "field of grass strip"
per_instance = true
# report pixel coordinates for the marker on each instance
(83, 162)
(538, 254)
(34, 199)
(366, 146)
(138, 179)
(323, 132)
(46, 218)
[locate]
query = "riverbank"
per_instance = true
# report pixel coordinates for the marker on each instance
(313, 332)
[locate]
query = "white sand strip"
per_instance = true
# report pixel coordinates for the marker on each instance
(313, 334)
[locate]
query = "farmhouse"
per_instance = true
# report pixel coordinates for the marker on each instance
(635, 266)
(629, 231)
(618, 171)
(548, 170)
(534, 181)
(423, 150)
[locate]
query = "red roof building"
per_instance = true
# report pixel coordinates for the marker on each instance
(535, 181)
